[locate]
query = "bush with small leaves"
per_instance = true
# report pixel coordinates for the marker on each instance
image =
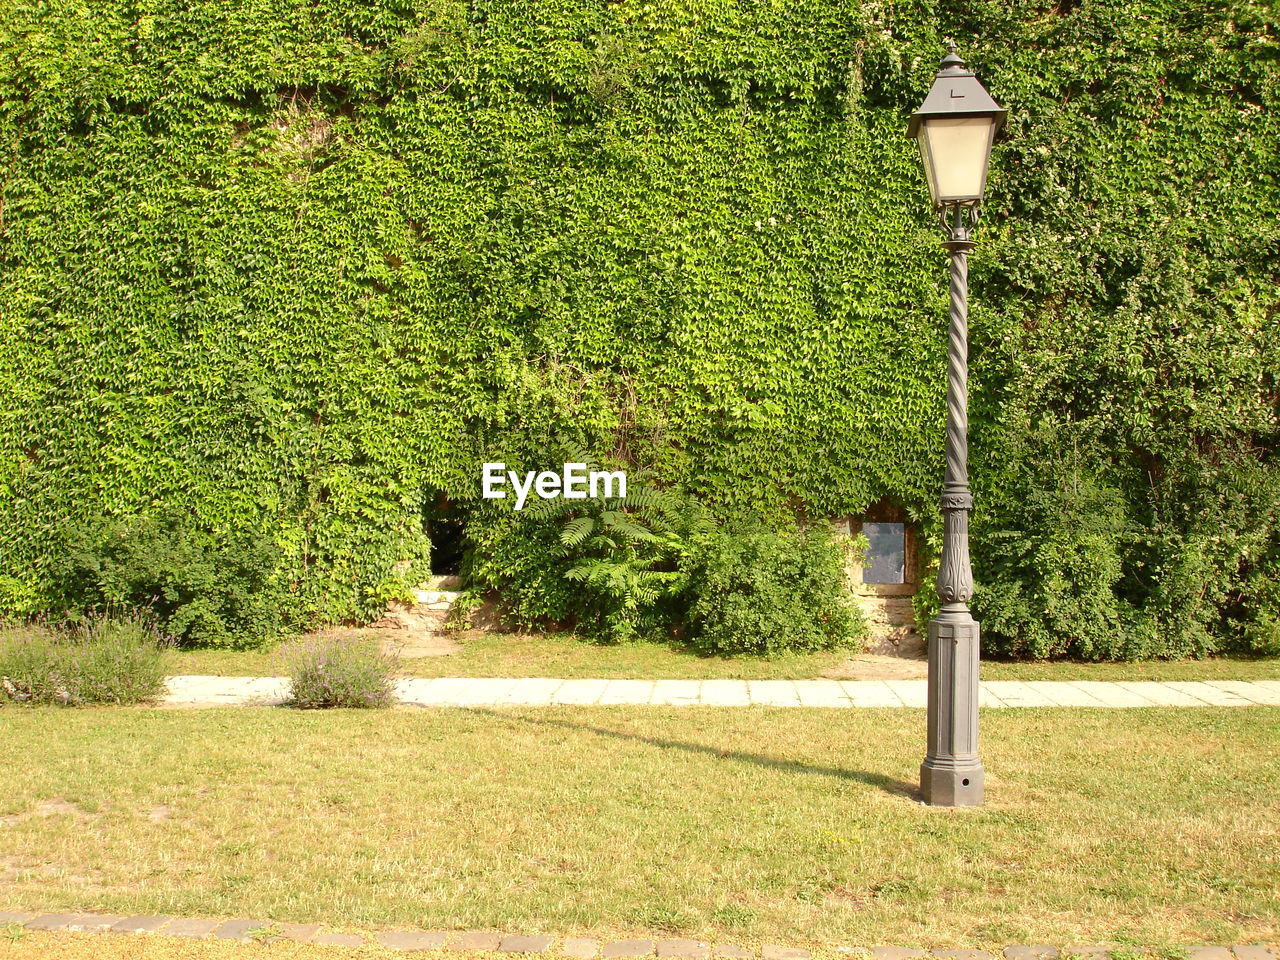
(204, 588)
(761, 591)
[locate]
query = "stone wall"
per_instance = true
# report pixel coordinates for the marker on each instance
(887, 606)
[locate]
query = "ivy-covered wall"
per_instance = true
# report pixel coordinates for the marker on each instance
(297, 268)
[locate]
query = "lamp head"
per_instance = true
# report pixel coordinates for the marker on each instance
(955, 127)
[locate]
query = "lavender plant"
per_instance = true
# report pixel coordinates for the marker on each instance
(334, 672)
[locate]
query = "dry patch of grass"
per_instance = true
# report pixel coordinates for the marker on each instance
(1157, 826)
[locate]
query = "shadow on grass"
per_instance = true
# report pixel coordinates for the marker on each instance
(889, 785)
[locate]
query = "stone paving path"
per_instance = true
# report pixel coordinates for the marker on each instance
(580, 948)
(541, 692)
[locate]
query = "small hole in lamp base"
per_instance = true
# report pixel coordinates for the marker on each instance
(965, 781)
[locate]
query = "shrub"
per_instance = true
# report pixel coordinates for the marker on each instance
(760, 591)
(615, 568)
(1051, 590)
(1262, 636)
(1258, 629)
(105, 658)
(205, 589)
(330, 672)
(654, 565)
(630, 559)
(1068, 566)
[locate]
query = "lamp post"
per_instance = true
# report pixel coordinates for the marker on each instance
(955, 127)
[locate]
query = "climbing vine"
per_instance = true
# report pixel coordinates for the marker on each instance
(291, 266)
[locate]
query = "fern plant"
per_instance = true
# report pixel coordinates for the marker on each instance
(629, 554)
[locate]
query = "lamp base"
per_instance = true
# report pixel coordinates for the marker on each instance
(951, 775)
(948, 786)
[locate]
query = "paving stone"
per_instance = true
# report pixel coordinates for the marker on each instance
(524, 943)
(1019, 693)
(963, 955)
(583, 948)
(821, 693)
(478, 940)
(895, 953)
(1256, 952)
(1091, 951)
(473, 691)
(482, 692)
(299, 932)
(338, 940)
(731, 951)
(1110, 695)
(771, 951)
(1030, 953)
(580, 691)
(626, 691)
(15, 917)
(1206, 693)
(1064, 694)
(676, 692)
(53, 921)
(140, 924)
(988, 699)
(1200, 952)
(533, 691)
(628, 948)
(412, 941)
(725, 693)
(684, 949)
(93, 923)
(436, 690)
(239, 929)
(186, 927)
(773, 693)
(870, 693)
(492, 692)
(914, 693)
(1159, 693)
(1248, 690)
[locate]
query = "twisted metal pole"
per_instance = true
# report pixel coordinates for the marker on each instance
(952, 773)
(958, 370)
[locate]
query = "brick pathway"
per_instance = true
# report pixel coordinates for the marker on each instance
(541, 692)
(580, 948)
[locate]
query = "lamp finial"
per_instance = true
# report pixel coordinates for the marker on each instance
(952, 64)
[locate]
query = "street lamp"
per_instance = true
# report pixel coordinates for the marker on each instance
(955, 127)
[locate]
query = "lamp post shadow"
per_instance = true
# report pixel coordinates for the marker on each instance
(887, 784)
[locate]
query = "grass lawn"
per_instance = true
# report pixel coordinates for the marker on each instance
(537, 655)
(1157, 826)
(542, 655)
